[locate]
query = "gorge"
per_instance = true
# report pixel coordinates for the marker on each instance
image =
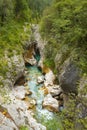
(43, 65)
(37, 95)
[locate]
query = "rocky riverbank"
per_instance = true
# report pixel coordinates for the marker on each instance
(15, 106)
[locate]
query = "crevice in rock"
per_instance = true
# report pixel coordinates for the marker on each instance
(20, 81)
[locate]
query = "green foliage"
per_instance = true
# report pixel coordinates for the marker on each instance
(22, 11)
(3, 66)
(37, 7)
(6, 11)
(23, 128)
(64, 23)
(69, 115)
(51, 124)
(12, 37)
(73, 116)
(50, 54)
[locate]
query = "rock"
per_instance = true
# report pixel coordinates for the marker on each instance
(61, 103)
(20, 81)
(40, 44)
(61, 96)
(37, 38)
(68, 77)
(19, 92)
(33, 102)
(18, 66)
(7, 123)
(58, 60)
(33, 124)
(45, 69)
(19, 113)
(82, 96)
(30, 103)
(29, 55)
(66, 100)
(31, 61)
(54, 90)
(50, 103)
(82, 110)
(15, 69)
(40, 79)
(28, 92)
(40, 63)
(49, 78)
(45, 89)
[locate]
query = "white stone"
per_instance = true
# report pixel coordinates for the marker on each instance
(31, 60)
(54, 90)
(50, 103)
(40, 79)
(19, 92)
(19, 113)
(49, 78)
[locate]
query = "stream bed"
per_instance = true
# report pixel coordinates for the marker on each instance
(49, 119)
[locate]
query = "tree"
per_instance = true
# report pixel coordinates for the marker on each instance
(6, 10)
(22, 10)
(37, 7)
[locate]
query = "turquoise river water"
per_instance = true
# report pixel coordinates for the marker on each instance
(45, 117)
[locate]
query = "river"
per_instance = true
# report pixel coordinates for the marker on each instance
(50, 119)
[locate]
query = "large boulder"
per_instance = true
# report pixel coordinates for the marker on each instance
(68, 77)
(54, 90)
(20, 92)
(29, 56)
(49, 78)
(50, 103)
(31, 61)
(40, 79)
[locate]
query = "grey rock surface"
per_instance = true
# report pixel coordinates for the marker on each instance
(68, 77)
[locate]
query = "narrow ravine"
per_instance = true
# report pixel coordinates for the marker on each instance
(35, 81)
(34, 101)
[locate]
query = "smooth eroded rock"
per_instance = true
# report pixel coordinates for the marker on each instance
(54, 90)
(49, 78)
(50, 103)
(40, 79)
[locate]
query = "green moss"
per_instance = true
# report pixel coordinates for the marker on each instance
(23, 128)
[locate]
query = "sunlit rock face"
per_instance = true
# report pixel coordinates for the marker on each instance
(29, 56)
(50, 103)
(40, 79)
(17, 112)
(49, 78)
(54, 90)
